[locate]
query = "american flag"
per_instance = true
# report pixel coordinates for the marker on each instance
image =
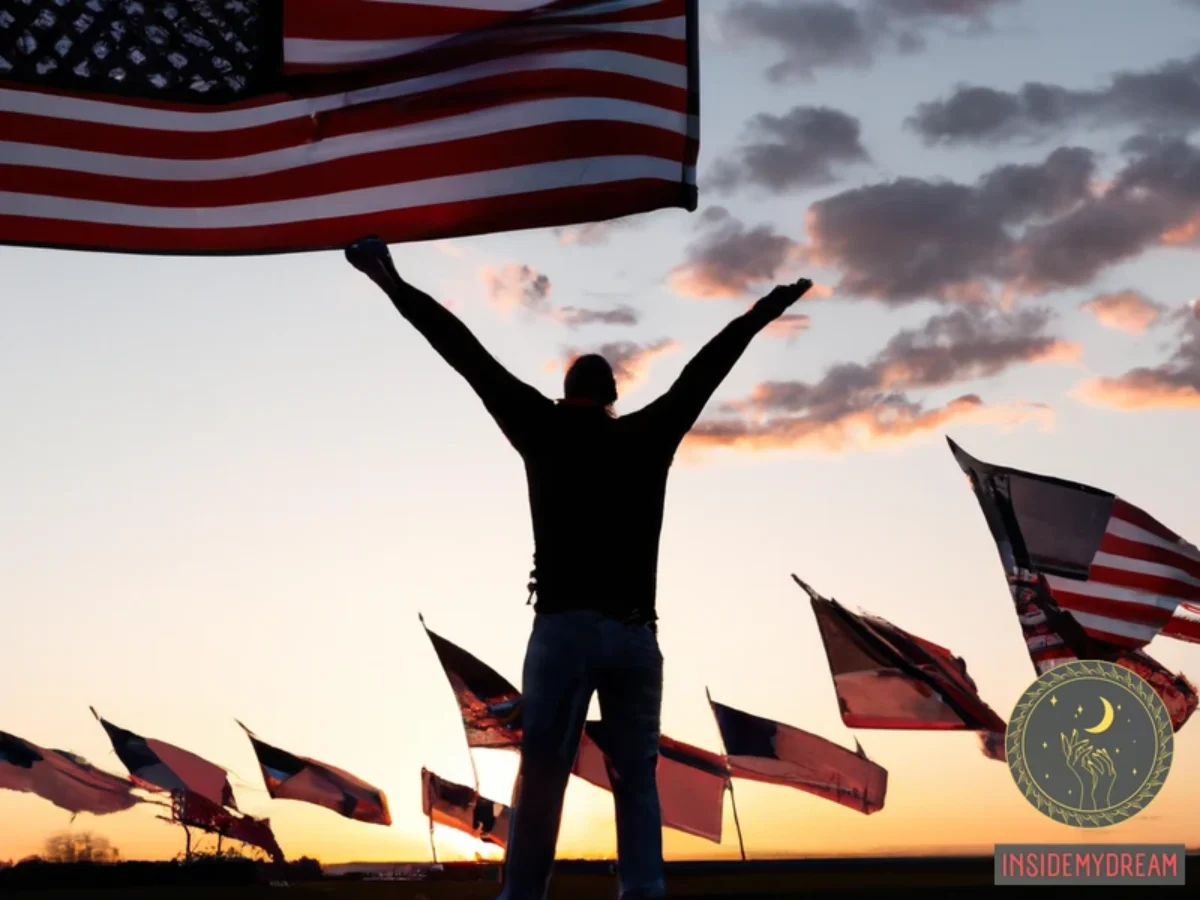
(1185, 623)
(1118, 572)
(240, 126)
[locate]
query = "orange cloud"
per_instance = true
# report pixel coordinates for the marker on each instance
(1187, 233)
(1172, 384)
(730, 260)
(883, 424)
(1130, 311)
(514, 286)
(1138, 390)
(789, 325)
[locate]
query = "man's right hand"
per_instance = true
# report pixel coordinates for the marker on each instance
(370, 255)
(783, 296)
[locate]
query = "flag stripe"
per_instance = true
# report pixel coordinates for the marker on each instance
(363, 201)
(1137, 578)
(178, 117)
(440, 220)
(1185, 624)
(442, 59)
(175, 156)
(546, 144)
(369, 19)
(661, 132)
(320, 54)
(1144, 522)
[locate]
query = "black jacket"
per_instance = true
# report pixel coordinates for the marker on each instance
(597, 483)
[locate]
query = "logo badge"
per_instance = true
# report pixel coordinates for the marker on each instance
(1089, 743)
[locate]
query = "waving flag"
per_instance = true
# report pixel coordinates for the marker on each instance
(461, 808)
(186, 126)
(490, 706)
(1091, 577)
(290, 777)
(66, 780)
(691, 781)
(159, 766)
(1184, 623)
(194, 811)
(1116, 570)
(760, 749)
(887, 678)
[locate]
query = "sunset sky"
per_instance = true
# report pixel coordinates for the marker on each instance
(229, 485)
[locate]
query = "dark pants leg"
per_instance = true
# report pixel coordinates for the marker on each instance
(629, 684)
(557, 686)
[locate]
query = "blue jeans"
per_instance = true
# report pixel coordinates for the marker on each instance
(570, 655)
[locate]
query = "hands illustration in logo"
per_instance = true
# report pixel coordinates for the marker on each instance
(1093, 768)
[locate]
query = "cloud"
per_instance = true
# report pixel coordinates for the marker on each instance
(575, 316)
(1162, 99)
(817, 34)
(797, 149)
(516, 287)
(590, 234)
(1130, 311)
(912, 238)
(888, 422)
(1172, 384)
(729, 259)
(519, 287)
(1028, 229)
(855, 404)
(789, 326)
(630, 360)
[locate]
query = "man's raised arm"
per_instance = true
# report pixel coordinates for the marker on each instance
(680, 407)
(512, 402)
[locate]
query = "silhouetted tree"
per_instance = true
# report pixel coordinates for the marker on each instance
(79, 846)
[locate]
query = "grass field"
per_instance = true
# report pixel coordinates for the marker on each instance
(892, 877)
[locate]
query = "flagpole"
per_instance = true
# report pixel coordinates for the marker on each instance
(474, 769)
(470, 751)
(728, 781)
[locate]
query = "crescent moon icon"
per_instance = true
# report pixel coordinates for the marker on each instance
(1105, 721)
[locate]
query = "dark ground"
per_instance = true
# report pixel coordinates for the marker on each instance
(814, 878)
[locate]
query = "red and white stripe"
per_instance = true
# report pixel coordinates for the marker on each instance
(1185, 623)
(510, 115)
(1140, 574)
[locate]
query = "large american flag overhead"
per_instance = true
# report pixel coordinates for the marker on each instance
(244, 126)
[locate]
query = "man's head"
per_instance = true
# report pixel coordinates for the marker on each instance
(590, 380)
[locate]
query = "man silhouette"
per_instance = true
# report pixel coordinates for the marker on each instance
(597, 485)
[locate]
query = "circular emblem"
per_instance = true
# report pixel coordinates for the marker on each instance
(1089, 743)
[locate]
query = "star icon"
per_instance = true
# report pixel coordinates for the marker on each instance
(1044, 746)
(1054, 701)
(1079, 710)
(1116, 750)
(1135, 771)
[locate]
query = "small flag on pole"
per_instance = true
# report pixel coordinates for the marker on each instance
(489, 704)
(461, 808)
(691, 781)
(761, 749)
(68, 781)
(886, 677)
(157, 765)
(290, 777)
